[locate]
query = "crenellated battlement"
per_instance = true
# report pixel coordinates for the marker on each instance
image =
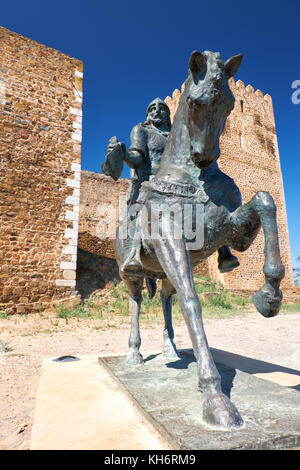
(239, 90)
(249, 90)
(234, 85)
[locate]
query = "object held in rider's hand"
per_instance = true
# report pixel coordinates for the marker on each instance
(113, 165)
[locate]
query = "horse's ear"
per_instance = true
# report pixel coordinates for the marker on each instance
(232, 65)
(197, 62)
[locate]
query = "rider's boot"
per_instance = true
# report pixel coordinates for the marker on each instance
(226, 260)
(132, 263)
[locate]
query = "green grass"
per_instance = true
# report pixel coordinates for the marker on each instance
(48, 331)
(77, 311)
(120, 303)
(219, 303)
(87, 309)
(91, 302)
(295, 308)
(4, 315)
(216, 302)
(4, 347)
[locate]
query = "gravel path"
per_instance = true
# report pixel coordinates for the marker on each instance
(28, 340)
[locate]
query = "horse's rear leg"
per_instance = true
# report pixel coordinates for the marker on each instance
(169, 349)
(261, 210)
(175, 261)
(135, 292)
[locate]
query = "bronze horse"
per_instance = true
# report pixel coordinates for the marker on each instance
(189, 176)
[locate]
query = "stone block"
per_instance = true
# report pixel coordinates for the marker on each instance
(65, 283)
(71, 233)
(71, 215)
(72, 183)
(70, 250)
(69, 274)
(68, 265)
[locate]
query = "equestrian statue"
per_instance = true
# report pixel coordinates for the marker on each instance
(176, 183)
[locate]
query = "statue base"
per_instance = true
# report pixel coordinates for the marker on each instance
(166, 394)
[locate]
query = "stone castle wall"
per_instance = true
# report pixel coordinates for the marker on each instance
(100, 202)
(249, 154)
(40, 143)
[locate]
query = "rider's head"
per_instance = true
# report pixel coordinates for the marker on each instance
(158, 114)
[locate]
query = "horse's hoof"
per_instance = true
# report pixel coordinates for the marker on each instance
(134, 358)
(220, 412)
(170, 352)
(266, 302)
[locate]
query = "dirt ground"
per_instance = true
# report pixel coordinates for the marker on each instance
(26, 340)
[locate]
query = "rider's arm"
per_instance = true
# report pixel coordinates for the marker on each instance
(134, 158)
(137, 152)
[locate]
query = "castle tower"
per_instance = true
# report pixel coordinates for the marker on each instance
(40, 141)
(249, 155)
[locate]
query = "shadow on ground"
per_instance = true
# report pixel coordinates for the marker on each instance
(227, 362)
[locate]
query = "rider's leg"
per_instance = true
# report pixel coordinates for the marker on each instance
(132, 261)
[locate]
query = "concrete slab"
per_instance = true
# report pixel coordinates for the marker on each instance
(167, 392)
(80, 407)
(282, 378)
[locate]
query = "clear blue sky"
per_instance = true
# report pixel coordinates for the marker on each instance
(134, 51)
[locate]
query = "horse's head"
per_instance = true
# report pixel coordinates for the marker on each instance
(209, 101)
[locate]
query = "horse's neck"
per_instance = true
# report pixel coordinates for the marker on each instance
(176, 163)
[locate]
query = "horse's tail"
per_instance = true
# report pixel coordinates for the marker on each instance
(151, 287)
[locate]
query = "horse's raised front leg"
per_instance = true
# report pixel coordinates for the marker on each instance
(134, 356)
(175, 261)
(247, 219)
(169, 349)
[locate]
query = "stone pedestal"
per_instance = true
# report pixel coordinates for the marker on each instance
(166, 393)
